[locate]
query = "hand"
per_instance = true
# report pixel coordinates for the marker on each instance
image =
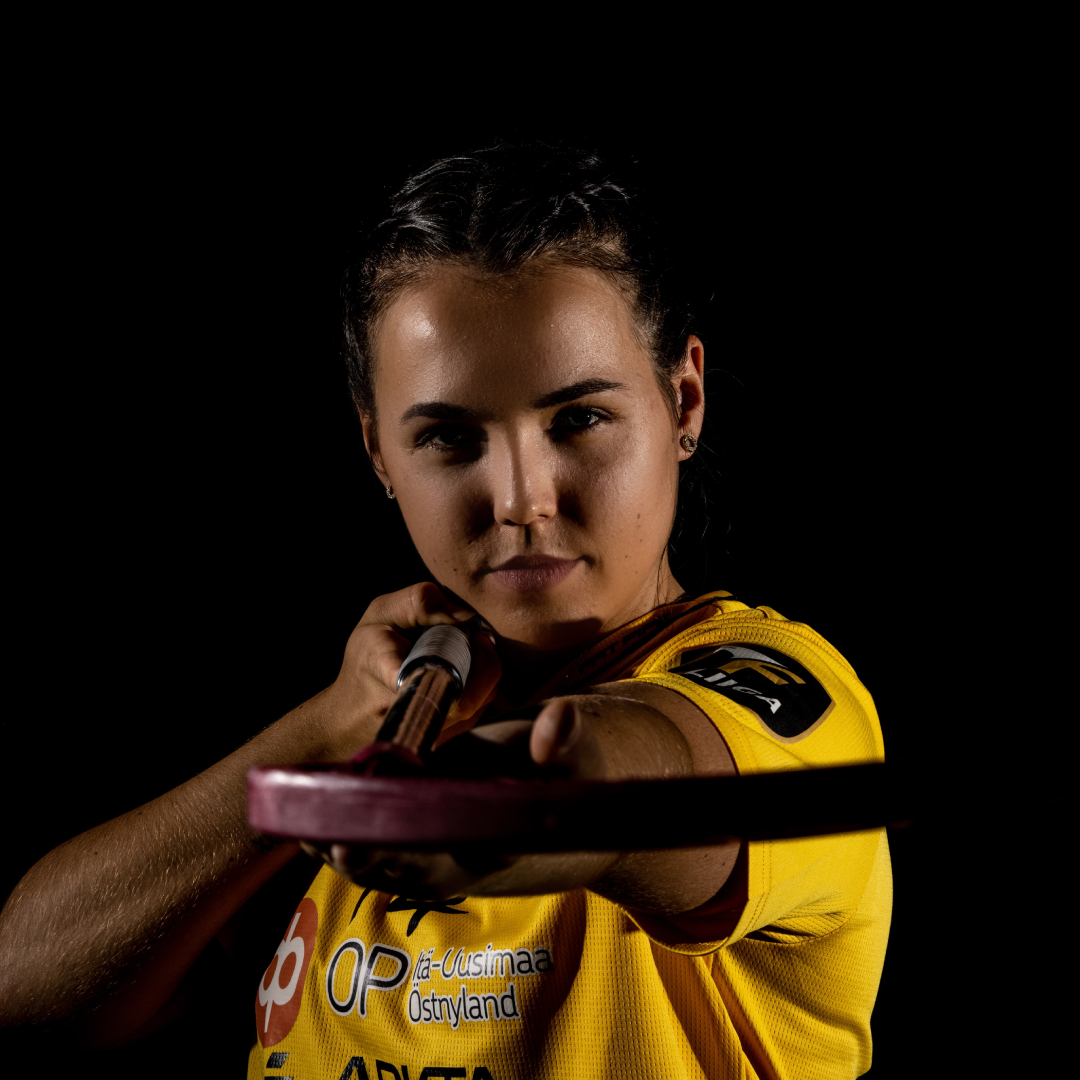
(500, 749)
(587, 737)
(366, 686)
(604, 735)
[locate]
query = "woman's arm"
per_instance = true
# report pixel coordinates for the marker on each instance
(97, 936)
(657, 882)
(618, 731)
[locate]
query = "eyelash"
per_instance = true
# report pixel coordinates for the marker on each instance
(426, 440)
(599, 416)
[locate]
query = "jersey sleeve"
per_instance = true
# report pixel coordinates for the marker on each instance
(782, 698)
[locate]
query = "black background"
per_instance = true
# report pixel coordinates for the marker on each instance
(196, 529)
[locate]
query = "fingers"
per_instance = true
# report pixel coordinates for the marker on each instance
(484, 675)
(386, 649)
(347, 859)
(420, 605)
(500, 749)
(367, 683)
(378, 645)
(418, 875)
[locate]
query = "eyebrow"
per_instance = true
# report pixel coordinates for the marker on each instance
(441, 410)
(576, 390)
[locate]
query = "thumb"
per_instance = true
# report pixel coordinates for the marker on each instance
(554, 731)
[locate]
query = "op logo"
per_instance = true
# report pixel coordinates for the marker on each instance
(277, 1003)
(357, 981)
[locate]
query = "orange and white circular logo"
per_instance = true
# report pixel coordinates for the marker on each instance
(277, 1003)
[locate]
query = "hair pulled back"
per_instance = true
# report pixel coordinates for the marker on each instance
(504, 210)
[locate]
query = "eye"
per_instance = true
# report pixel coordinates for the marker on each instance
(578, 418)
(449, 437)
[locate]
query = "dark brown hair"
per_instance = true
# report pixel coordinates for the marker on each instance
(511, 209)
(501, 211)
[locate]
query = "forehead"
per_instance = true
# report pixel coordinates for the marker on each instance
(460, 336)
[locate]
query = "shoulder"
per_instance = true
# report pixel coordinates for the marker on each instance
(781, 694)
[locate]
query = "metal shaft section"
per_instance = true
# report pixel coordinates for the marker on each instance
(446, 646)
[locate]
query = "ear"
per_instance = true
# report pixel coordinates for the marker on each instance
(689, 384)
(371, 444)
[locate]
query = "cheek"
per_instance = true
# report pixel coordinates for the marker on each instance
(441, 511)
(631, 494)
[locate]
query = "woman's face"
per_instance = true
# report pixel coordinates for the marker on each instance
(530, 448)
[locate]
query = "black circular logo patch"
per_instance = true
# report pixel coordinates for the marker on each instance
(787, 699)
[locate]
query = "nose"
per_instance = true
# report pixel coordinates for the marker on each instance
(525, 489)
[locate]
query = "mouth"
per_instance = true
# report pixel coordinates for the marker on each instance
(531, 573)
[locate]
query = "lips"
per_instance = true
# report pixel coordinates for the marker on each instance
(532, 573)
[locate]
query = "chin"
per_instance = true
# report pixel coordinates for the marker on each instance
(545, 623)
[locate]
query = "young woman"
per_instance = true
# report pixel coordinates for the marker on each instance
(528, 392)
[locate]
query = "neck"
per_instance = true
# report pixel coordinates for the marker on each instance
(527, 667)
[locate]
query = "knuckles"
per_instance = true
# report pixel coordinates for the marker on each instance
(378, 643)
(431, 875)
(425, 599)
(383, 637)
(421, 604)
(375, 651)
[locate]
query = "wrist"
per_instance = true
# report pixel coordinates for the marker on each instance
(328, 727)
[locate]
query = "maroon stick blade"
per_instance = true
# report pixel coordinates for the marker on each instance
(334, 803)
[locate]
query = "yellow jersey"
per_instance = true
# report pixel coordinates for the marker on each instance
(773, 978)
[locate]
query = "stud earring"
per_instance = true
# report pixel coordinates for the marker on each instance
(390, 491)
(688, 443)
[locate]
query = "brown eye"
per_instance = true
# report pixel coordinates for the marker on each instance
(571, 421)
(448, 437)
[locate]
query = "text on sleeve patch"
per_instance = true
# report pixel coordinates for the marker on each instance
(787, 699)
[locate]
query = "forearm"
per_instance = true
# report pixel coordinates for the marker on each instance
(629, 731)
(668, 882)
(615, 733)
(98, 934)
